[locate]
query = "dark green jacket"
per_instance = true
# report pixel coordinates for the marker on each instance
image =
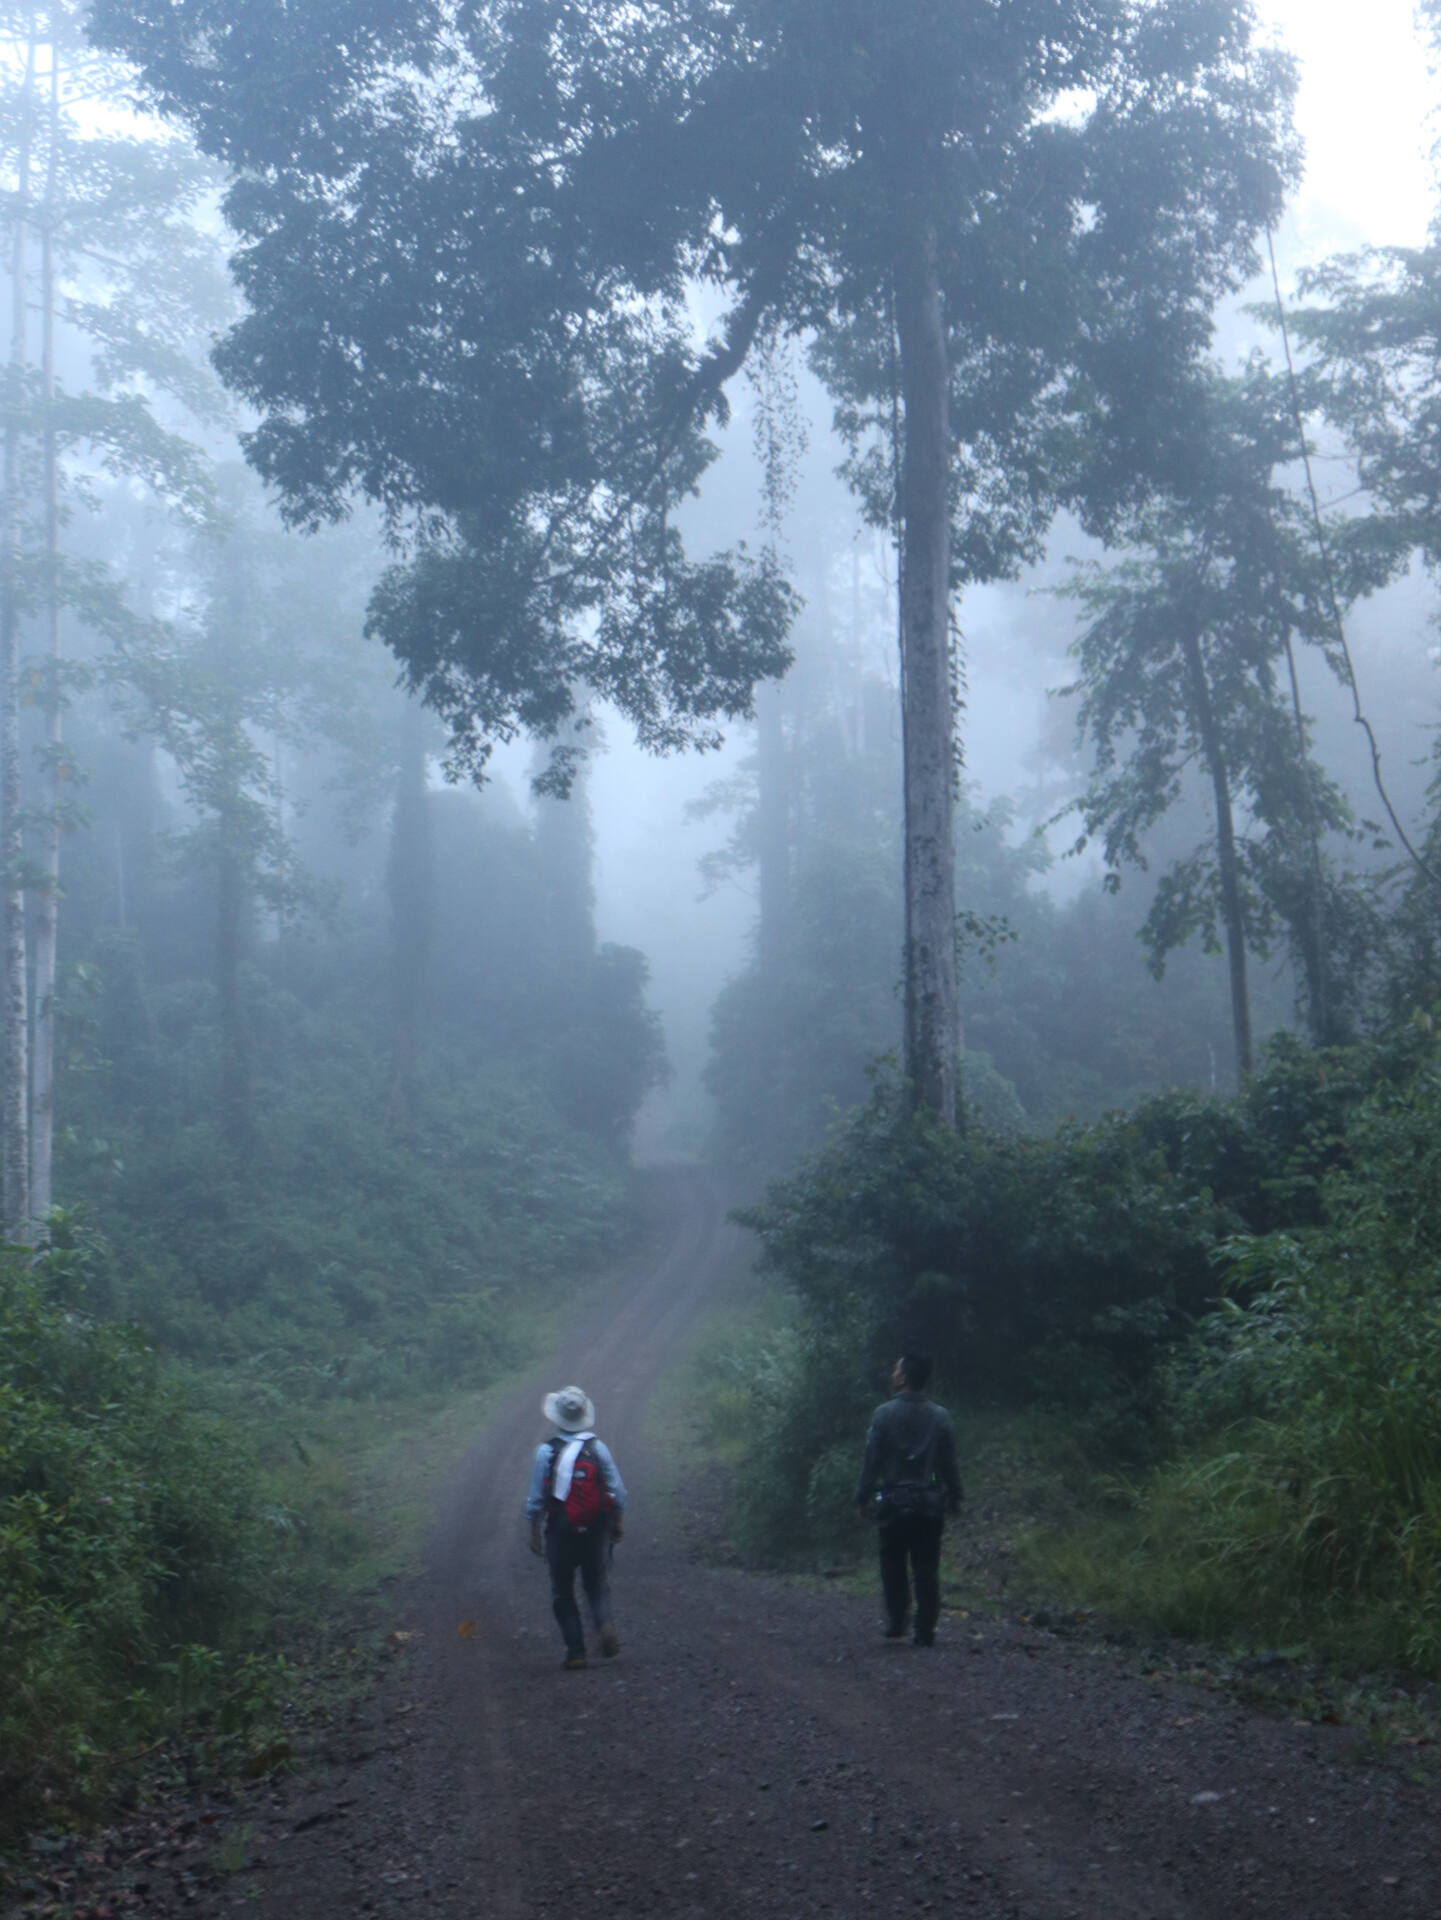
(911, 1443)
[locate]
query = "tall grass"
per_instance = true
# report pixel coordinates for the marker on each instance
(1303, 1497)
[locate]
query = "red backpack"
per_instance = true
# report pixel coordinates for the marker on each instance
(588, 1499)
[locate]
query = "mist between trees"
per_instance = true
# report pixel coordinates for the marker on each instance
(316, 1071)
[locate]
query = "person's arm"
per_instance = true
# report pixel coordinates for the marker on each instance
(535, 1499)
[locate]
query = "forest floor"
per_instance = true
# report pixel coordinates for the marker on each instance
(757, 1748)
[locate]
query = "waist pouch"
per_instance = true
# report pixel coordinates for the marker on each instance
(906, 1503)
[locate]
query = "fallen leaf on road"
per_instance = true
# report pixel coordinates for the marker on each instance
(466, 1629)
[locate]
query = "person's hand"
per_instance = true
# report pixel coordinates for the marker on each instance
(617, 1527)
(537, 1542)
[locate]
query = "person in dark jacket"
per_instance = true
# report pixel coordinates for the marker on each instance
(910, 1482)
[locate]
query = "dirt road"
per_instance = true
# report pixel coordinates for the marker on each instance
(758, 1749)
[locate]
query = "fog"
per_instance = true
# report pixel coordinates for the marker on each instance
(1365, 110)
(660, 879)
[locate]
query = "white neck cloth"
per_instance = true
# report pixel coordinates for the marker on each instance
(565, 1462)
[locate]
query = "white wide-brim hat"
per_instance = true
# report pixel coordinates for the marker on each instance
(570, 1408)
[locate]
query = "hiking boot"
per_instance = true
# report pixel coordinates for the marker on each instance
(609, 1641)
(924, 1639)
(896, 1630)
(574, 1661)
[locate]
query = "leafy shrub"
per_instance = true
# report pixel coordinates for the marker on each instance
(1066, 1269)
(999, 1252)
(132, 1534)
(1307, 1496)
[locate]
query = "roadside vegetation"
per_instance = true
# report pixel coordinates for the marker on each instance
(316, 1080)
(1198, 1343)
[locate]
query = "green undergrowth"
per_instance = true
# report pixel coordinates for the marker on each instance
(1026, 1475)
(692, 1484)
(333, 1258)
(227, 1386)
(1196, 1350)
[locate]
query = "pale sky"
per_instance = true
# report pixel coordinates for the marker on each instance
(1365, 111)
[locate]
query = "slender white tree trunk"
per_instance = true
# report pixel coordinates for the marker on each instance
(47, 896)
(933, 1033)
(14, 1011)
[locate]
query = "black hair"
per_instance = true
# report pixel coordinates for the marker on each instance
(917, 1369)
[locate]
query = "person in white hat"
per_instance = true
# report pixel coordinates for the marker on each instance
(576, 1508)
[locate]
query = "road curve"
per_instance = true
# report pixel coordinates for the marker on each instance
(758, 1749)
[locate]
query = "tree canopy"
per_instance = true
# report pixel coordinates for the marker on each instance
(1188, 660)
(480, 243)
(475, 241)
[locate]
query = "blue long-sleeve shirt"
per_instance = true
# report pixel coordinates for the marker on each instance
(609, 1473)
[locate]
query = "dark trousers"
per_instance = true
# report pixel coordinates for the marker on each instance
(910, 1546)
(567, 1554)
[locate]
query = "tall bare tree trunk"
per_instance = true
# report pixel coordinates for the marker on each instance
(1226, 861)
(47, 894)
(14, 1011)
(933, 1033)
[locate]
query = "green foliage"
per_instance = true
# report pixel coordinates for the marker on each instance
(1187, 656)
(606, 1049)
(136, 1548)
(783, 1399)
(1234, 1308)
(334, 1257)
(1405, 963)
(941, 1239)
(1066, 1270)
(547, 407)
(1372, 375)
(1307, 1500)
(437, 1096)
(136, 285)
